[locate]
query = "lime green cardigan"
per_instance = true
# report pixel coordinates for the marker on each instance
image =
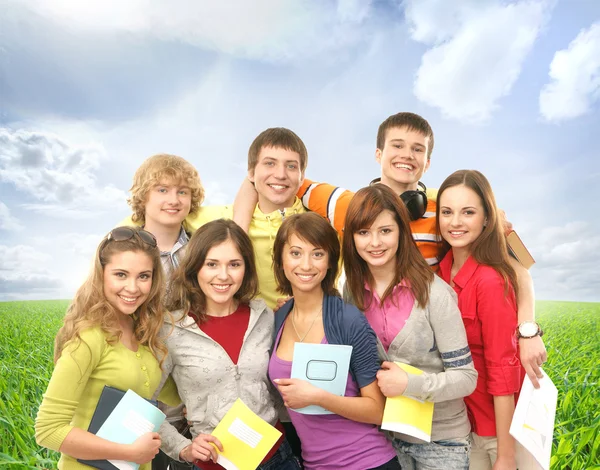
(79, 376)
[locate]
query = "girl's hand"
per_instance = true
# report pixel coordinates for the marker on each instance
(298, 393)
(145, 448)
(202, 449)
(392, 380)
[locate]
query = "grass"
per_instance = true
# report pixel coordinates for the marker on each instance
(27, 331)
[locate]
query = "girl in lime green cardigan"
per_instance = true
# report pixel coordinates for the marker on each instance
(110, 336)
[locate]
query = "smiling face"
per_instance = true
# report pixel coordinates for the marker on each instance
(127, 280)
(277, 178)
(167, 204)
(304, 265)
(221, 274)
(378, 244)
(403, 158)
(462, 217)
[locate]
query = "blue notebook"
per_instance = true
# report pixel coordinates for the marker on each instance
(325, 366)
(109, 401)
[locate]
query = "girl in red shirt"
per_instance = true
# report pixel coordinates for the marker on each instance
(477, 266)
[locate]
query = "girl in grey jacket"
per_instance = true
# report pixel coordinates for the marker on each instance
(417, 321)
(219, 344)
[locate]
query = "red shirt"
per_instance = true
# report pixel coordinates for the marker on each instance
(490, 319)
(229, 332)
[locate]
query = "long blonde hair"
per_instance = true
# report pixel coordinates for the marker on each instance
(90, 308)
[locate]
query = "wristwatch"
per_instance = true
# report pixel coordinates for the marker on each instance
(529, 329)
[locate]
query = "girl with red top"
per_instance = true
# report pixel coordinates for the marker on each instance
(477, 266)
(219, 345)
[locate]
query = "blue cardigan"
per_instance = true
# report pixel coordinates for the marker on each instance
(344, 324)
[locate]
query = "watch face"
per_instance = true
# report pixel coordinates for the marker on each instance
(528, 329)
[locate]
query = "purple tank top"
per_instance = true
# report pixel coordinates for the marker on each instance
(332, 441)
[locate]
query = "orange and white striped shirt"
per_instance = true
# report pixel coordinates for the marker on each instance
(332, 203)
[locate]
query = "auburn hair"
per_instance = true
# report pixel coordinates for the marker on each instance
(366, 205)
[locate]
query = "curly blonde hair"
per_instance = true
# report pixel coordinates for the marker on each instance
(90, 308)
(157, 168)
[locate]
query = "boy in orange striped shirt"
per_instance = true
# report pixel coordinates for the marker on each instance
(404, 145)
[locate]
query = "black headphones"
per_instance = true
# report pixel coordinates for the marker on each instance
(414, 200)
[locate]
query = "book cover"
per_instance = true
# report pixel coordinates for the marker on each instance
(246, 438)
(407, 415)
(518, 249)
(109, 399)
(325, 366)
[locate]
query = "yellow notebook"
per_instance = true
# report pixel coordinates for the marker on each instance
(408, 415)
(246, 438)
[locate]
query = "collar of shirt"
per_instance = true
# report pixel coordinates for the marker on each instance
(401, 285)
(182, 240)
(464, 274)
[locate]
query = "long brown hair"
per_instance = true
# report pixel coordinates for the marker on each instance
(490, 247)
(90, 308)
(185, 292)
(315, 230)
(365, 207)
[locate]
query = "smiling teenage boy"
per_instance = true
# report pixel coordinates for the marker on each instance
(404, 146)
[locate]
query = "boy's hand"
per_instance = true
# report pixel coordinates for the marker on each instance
(533, 354)
(506, 225)
(391, 379)
(280, 303)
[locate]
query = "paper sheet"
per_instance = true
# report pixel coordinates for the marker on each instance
(407, 415)
(533, 421)
(246, 438)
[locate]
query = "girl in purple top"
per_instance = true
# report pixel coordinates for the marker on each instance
(305, 260)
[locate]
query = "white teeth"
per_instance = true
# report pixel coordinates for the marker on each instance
(223, 287)
(277, 186)
(402, 165)
(128, 299)
(305, 277)
(376, 252)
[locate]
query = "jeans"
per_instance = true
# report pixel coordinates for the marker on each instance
(448, 454)
(391, 465)
(282, 460)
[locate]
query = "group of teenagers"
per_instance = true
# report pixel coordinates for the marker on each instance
(179, 307)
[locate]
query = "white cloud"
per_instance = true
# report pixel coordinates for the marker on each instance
(59, 175)
(22, 271)
(478, 50)
(568, 262)
(7, 221)
(575, 75)
(272, 30)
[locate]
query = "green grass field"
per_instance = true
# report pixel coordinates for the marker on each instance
(572, 338)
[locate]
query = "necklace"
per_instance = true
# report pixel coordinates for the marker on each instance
(295, 312)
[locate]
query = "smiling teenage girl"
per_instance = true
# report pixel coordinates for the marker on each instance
(477, 266)
(305, 262)
(109, 337)
(219, 349)
(416, 318)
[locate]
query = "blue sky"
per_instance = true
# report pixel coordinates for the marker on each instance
(88, 90)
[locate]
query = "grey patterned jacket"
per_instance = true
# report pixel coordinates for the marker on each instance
(208, 381)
